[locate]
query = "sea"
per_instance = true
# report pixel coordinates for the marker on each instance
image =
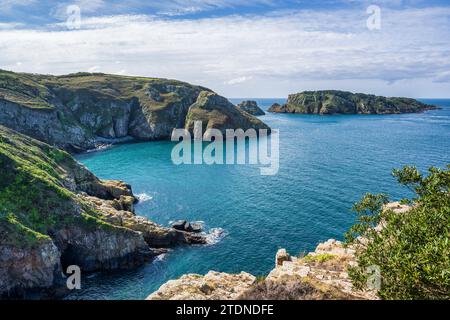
(326, 164)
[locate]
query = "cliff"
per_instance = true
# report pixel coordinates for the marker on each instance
(341, 102)
(55, 213)
(319, 275)
(81, 111)
(251, 107)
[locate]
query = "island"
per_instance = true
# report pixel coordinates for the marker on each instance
(251, 107)
(341, 102)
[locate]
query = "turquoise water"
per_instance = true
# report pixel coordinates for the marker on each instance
(326, 164)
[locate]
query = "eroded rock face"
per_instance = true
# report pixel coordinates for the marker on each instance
(212, 286)
(321, 275)
(251, 107)
(83, 111)
(55, 213)
(337, 102)
(26, 269)
(216, 112)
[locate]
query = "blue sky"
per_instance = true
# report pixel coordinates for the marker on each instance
(239, 48)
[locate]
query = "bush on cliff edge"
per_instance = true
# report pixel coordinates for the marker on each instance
(412, 249)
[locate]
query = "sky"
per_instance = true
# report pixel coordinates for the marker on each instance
(239, 48)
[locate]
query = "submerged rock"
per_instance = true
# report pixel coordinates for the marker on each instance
(341, 102)
(251, 107)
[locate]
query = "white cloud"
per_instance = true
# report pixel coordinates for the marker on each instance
(10, 4)
(238, 80)
(280, 53)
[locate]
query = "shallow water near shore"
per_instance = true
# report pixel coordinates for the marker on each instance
(326, 164)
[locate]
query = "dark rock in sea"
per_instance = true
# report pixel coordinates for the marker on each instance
(180, 225)
(251, 107)
(341, 102)
(81, 111)
(184, 225)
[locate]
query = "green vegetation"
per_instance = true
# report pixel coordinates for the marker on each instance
(319, 258)
(39, 91)
(411, 249)
(34, 199)
(334, 101)
(21, 89)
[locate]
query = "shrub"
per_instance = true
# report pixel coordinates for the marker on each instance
(412, 249)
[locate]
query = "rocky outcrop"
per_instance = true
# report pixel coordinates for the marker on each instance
(251, 107)
(55, 213)
(216, 112)
(341, 102)
(83, 111)
(321, 274)
(212, 286)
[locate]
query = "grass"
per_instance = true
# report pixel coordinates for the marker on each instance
(33, 197)
(319, 258)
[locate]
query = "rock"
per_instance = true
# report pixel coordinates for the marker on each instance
(216, 112)
(195, 227)
(180, 225)
(281, 257)
(320, 275)
(78, 112)
(335, 102)
(251, 107)
(212, 286)
(61, 214)
(183, 225)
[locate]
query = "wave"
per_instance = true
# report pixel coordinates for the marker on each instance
(215, 235)
(143, 197)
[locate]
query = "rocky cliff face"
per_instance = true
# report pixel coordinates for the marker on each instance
(333, 102)
(321, 274)
(81, 111)
(251, 107)
(55, 213)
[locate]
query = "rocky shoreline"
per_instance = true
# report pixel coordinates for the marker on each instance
(251, 107)
(318, 275)
(55, 213)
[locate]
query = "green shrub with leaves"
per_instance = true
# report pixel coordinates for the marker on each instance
(412, 249)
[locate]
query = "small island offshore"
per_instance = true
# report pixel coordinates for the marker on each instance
(342, 102)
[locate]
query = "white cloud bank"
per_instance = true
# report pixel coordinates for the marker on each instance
(244, 56)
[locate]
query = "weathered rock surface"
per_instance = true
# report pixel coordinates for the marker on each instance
(55, 213)
(321, 274)
(251, 107)
(212, 286)
(216, 112)
(184, 225)
(334, 102)
(83, 111)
